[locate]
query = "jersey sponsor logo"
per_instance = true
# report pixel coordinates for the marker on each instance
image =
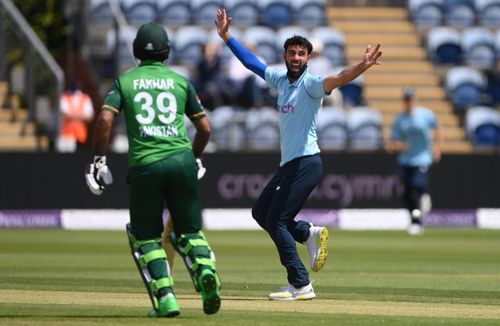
(287, 108)
(158, 131)
(153, 84)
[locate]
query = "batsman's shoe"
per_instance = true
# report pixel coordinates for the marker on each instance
(210, 291)
(317, 245)
(291, 293)
(167, 307)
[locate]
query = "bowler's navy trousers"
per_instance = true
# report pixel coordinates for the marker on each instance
(279, 203)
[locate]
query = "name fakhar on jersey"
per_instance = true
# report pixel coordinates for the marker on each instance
(153, 84)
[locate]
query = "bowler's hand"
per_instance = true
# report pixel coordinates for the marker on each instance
(370, 58)
(222, 23)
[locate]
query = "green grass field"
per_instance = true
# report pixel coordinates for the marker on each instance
(446, 277)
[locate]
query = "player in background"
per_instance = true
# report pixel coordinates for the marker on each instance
(417, 147)
(162, 170)
(300, 96)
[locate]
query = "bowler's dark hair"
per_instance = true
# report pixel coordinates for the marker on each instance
(299, 40)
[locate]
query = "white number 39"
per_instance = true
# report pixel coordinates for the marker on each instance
(168, 112)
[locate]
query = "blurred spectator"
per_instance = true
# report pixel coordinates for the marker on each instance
(77, 111)
(248, 89)
(319, 64)
(209, 80)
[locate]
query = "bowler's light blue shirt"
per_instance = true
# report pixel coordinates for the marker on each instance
(415, 129)
(298, 105)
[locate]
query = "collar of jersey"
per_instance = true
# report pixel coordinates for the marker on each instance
(151, 62)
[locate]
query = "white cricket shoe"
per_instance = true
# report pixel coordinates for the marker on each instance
(291, 293)
(317, 245)
(425, 204)
(415, 229)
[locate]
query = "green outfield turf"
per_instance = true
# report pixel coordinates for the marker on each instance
(445, 277)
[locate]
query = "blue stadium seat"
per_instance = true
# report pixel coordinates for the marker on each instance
(284, 33)
(138, 12)
(334, 44)
(478, 44)
(497, 45)
(426, 13)
(493, 87)
(174, 13)
(203, 11)
(352, 92)
(101, 13)
(228, 128)
(276, 13)
(488, 12)
(264, 40)
(309, 13)
(460, 13)
(262, 129)
(188, 44)
(483, 126)
(245, 13)
(444, 45)
(365, 128)
(464, 86)
(332, 129)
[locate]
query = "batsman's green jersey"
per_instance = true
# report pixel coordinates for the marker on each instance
(154, 100)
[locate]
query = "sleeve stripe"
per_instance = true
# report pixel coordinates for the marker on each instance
(109, 107)
(199, 114)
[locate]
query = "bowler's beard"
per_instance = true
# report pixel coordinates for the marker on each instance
(294, 75)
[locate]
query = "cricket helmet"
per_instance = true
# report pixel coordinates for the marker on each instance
(151, 42)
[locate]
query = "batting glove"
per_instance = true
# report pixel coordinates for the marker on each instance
(201, 169)
(98, 175)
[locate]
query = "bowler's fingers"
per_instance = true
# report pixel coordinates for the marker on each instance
(376, 54)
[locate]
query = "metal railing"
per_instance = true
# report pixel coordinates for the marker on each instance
(30, 69)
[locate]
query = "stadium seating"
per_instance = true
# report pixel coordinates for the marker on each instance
(101, 13)
(138, 12)
(174, 13)
(426, 13)
(181, 70)
(284, 33)
(245, 13)
(464, 86)
(188, 43)
(497, 45)
(262, 129)
(228, 128)
(334, 44)
(483, 126)
(444, 45)
(493, 88)
(488, 12)
(309, 13)
(276, 13)
(332, 129)
(352, 92)
(203, 11)
(264, 40)
(365, 128)
(460, 13)
(478, 44)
